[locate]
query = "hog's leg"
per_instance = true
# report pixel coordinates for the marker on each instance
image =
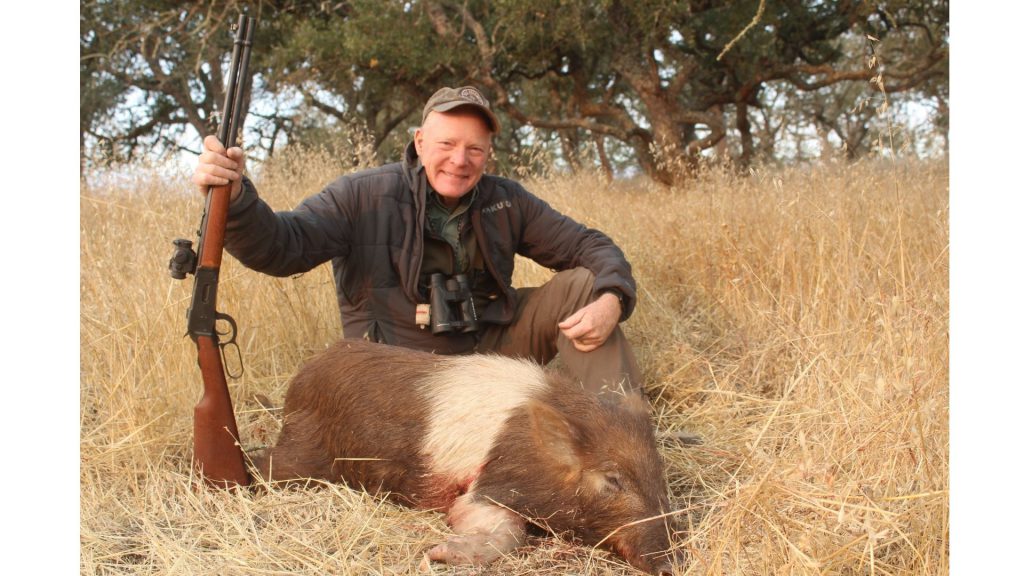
(298, 453)
(483, 532)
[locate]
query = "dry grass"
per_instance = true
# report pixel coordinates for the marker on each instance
(797, 320)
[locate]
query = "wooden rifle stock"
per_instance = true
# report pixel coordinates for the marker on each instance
(218, 454)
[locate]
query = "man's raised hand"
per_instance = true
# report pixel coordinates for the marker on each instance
(218, 167)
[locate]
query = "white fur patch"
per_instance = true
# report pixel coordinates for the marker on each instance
(470, 399)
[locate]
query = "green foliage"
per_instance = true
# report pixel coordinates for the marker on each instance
(151, 70)
(654, 78)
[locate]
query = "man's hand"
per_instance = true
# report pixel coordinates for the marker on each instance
(218, 167)
(591, 325)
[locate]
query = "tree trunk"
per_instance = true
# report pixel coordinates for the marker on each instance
(746, 139)
(567, 138)
(602, 154)
(666, 150)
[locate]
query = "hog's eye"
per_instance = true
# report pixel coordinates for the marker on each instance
(614, 480)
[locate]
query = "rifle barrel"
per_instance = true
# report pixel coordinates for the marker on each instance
(227, 124)
(243, 73)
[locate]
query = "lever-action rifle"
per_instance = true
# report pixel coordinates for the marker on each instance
(218, 455)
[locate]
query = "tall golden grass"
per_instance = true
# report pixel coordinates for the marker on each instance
(795, 319)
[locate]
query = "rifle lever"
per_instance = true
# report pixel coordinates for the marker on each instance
(228, 339)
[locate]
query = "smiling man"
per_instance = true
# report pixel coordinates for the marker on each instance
(453, 145)
(423, 251)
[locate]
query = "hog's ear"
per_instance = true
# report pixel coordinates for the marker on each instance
(636, 402)
(555, 436)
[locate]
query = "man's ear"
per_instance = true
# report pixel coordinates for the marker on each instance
(417, 140)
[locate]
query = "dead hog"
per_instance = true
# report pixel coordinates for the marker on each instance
(487, 439)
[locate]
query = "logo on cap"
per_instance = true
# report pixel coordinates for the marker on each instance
(473, 96)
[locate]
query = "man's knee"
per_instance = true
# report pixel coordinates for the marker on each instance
(575, 285)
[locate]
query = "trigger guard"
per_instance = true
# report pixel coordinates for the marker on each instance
(231, 333)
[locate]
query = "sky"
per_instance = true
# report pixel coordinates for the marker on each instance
(42, 279)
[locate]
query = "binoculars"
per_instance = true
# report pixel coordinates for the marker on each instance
(451, 305)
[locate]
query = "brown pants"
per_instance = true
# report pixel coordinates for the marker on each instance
(534, 334)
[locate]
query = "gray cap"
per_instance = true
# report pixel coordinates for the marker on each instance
(447, 99)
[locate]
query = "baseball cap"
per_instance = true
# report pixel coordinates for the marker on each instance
(447, 99)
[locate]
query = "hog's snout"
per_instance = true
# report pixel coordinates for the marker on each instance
(647, 548)
(664, 566)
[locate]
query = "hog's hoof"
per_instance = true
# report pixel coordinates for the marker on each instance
(473, 549)
(680, 437)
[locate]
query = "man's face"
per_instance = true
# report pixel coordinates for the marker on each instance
(453, 147)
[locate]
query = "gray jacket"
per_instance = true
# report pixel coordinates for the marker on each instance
(370, 225)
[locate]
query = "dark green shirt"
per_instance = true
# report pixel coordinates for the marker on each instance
(450, 226)
(450, 247)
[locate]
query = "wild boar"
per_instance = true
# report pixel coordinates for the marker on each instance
(494, 442)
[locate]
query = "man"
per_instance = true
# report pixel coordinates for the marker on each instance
(388, 230)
